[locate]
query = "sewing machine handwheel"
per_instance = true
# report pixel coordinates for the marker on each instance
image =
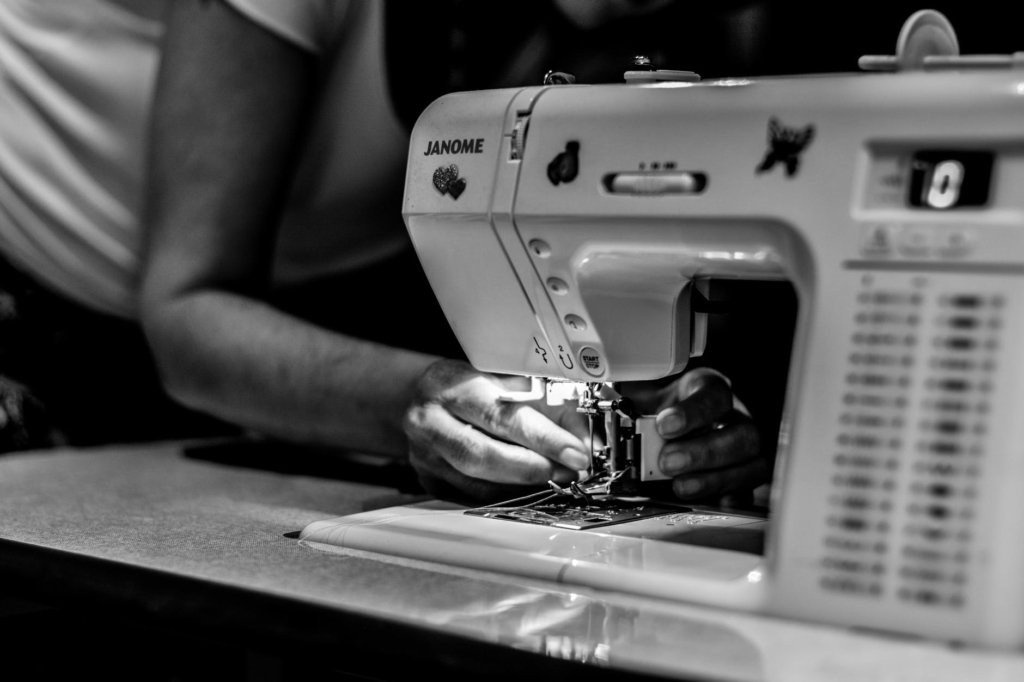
(926, 33)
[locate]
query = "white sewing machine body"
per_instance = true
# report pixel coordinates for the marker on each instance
(900, 466)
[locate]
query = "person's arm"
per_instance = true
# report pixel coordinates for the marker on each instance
(229, 112)
(231, 104)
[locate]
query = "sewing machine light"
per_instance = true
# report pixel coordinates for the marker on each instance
(560, 392)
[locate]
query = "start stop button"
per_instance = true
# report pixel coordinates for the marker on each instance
(591, 361)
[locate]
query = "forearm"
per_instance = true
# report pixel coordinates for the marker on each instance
(243, 361)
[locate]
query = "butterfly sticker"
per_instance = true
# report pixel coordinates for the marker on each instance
(784, 146)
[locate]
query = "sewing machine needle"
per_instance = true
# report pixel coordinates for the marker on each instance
(590, 470)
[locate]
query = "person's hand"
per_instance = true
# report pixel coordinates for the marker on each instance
(24, 421)
(712, 446)
(463, 436)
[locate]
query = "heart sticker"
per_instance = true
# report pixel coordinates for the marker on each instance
(447, 181)
(457, 187)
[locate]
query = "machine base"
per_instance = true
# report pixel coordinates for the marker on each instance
(695, 555)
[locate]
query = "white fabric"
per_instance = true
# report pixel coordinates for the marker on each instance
(76, 82)
(312, 24)
(75, 85)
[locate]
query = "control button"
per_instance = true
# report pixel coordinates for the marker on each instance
(655, 183)
(955, 242)
(557, 286)
(915, 240)
(576, 322)
(590, 359)
(879, 239)
(539, 248)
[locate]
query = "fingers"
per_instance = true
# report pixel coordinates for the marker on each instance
(479, 404)
(432, 429)
(706, 398)
(746, 476)
(444, 481)
(465, 440)
(719, 461)
(737, 441)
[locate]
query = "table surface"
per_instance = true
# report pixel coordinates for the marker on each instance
(195, 542)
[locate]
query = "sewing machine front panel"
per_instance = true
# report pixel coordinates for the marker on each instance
(756, 213)
(459, 185)
(898, 502)
(896, 486)
(895, 502)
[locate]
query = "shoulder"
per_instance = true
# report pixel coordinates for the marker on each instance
(313, 25)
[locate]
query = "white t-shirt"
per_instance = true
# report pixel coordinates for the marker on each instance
(76, 84)
(76, 80)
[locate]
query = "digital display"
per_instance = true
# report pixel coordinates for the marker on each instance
(943, 180)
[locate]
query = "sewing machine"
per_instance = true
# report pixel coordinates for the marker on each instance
(572, 234)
